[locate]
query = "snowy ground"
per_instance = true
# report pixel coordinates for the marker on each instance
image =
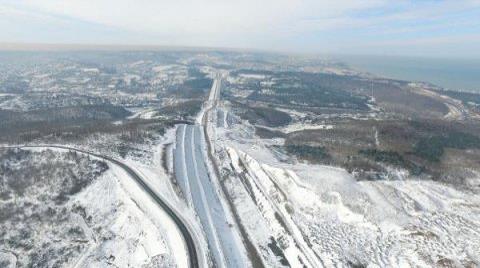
(108, 222)
(146, 159)
(321, 216)
(141, 237)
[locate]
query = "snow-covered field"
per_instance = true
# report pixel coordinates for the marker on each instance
(258, 207)
(321, 216)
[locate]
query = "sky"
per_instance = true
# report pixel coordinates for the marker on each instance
(401, 27)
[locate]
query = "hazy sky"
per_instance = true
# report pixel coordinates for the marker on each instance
(423, 27)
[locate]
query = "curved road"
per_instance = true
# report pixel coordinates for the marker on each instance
(192, 250)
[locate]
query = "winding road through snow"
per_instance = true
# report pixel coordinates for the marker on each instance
(193, 258)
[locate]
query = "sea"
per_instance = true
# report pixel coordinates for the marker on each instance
(452, 74)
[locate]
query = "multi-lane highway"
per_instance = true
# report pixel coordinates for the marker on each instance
(193, 177)
(191, 160)
(192, 174)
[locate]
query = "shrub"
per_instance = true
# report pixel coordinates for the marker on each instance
(312, 153)
(392, 158)
(432, 148)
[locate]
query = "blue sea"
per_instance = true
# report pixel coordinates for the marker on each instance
(453, 74)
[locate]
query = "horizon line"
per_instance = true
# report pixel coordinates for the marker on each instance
(78, 47)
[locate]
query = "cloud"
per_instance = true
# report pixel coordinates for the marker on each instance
(192, 17)
(285, 24)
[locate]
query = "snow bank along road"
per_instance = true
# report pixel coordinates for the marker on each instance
(191, 246)
(193, 177)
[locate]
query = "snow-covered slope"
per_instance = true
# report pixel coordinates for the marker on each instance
(131, 236)
(322, 216)
(76, 211)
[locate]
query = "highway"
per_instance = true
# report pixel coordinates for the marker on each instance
(190, 158)
(191, 172)
(194, 180)
(191, 245)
